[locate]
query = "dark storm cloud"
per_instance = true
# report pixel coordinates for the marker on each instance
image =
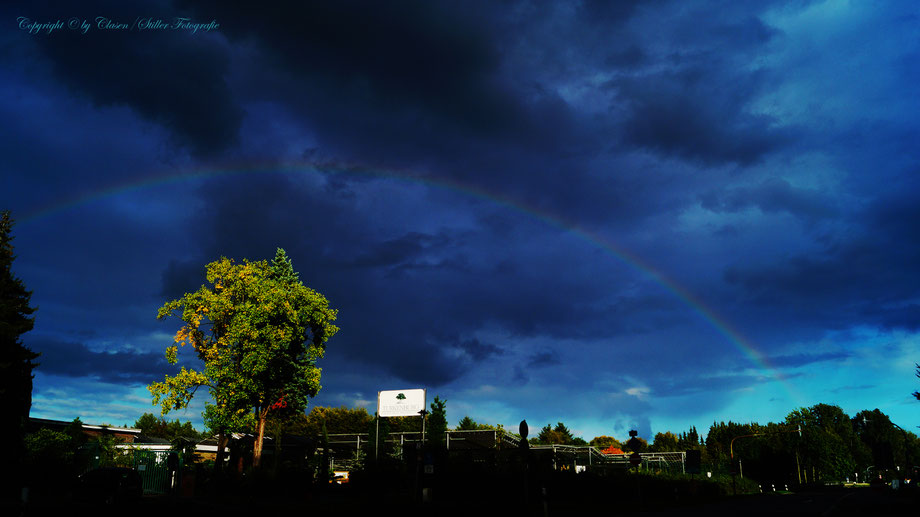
(401, 250)
(620, 119)
(77, 360)
(479, 351)
(423, 87)
(180, 277)
(383, 56)
(404, 290)
(867, 273)
(543, 359)
(630, 57)
(894, 316)
(772, 196)
(692, 98)
(172, 78)
(676, 113)
(384, 319)
(605, 12)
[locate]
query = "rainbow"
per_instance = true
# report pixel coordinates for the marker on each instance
(741, 343)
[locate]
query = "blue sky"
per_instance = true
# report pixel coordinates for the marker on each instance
(618, 215)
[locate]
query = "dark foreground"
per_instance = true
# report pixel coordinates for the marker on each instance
(829, 502)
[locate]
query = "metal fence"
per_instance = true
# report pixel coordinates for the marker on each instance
(564, 456)
(161, 471)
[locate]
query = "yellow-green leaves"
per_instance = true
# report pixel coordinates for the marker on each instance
(258, 331)
(172, 354)
(177, 391)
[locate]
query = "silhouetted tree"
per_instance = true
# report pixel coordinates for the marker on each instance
(16, 360)
(917, 393)
(559, 435)
(437, 422)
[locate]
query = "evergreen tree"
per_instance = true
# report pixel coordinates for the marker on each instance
(282, 269)
(15, 358)
(467, 424)
(437, 422)
(559, 435)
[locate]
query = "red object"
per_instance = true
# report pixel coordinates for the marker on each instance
(611, 450)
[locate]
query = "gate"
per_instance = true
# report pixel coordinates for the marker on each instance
(161, 471)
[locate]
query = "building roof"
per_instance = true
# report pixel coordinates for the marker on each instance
(44, 422)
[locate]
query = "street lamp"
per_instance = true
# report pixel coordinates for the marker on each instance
(731, 449)
(906, 452)
(907, 458)
(731, 444)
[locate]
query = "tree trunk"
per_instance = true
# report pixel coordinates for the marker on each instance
(219, 461)
(257, 447)
(278, 436)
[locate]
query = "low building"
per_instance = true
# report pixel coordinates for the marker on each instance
(123, 434)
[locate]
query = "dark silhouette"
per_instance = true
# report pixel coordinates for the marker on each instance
(16, 360)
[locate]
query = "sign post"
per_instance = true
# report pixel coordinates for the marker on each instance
(398, 403)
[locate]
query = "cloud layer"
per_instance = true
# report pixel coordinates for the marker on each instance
(572, 210)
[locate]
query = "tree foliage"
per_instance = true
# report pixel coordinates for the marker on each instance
(664, 442)
(437, 422)
(159, 427)
(16, 360)
(468, 424)
(827, 441)
(259, 332)
(832, 447)
(884, 444)
(47, 448)
(558, 435)
(15, 320)
(338, 420)
(605, 442)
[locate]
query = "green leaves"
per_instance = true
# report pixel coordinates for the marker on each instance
(259, 332)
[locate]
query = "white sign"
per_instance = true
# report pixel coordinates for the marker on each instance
(400, 402)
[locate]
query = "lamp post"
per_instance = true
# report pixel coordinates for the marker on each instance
(907, 458)
(731, 444)
(731, 449)
(906, 452)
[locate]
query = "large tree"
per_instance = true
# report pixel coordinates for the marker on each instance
(16, 360)
(827, 444)
(259, 332)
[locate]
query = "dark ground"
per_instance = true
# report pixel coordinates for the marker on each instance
(341, 501)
